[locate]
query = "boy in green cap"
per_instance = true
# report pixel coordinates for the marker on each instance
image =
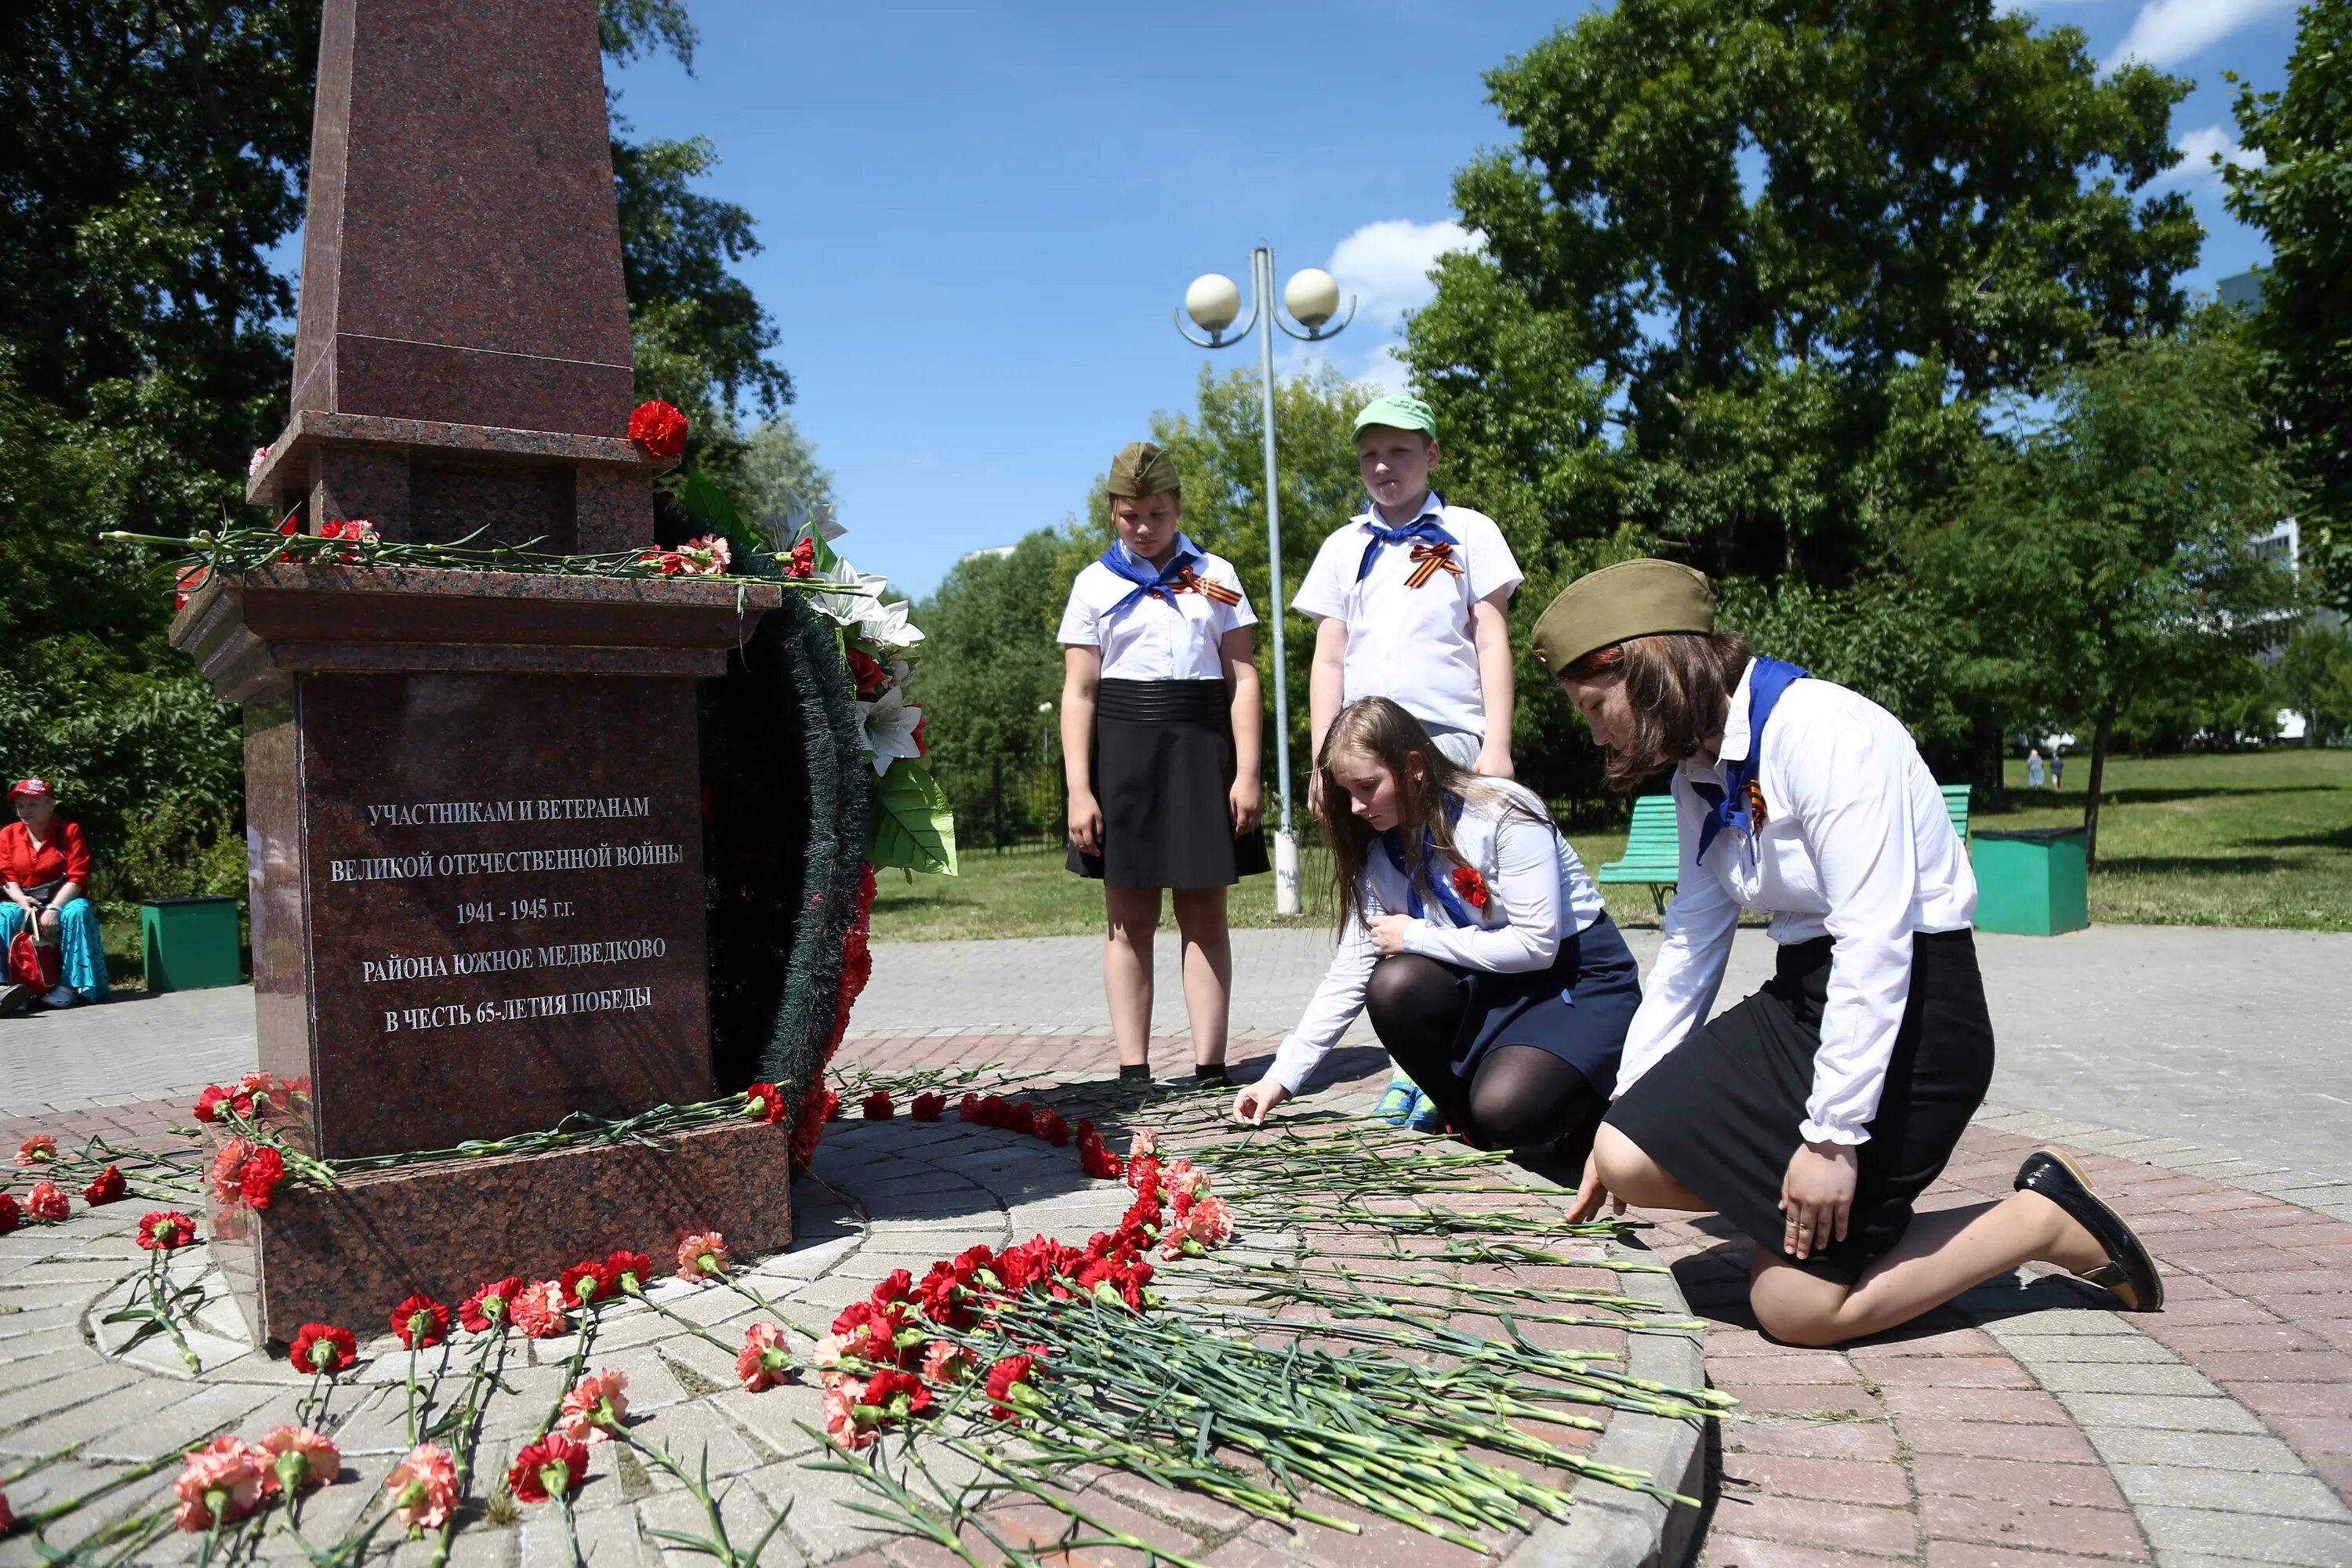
(1410, 602)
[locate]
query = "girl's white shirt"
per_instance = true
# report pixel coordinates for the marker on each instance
(1538, 896)
(1155, 638)
(1857, 844)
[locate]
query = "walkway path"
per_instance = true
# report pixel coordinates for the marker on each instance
(2199, 1074)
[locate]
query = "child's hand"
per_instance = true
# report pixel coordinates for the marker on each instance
(1388, 933)
(1493, 762)
(1591, 1194)
(1314, 790)
(1256, 1101)
(1248, 805)
(1085, 824)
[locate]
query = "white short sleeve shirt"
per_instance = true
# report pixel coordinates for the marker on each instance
(1155, 638)
(1414, 646)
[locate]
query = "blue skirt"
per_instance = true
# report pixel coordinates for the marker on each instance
(81, 955)
(1578, 1009)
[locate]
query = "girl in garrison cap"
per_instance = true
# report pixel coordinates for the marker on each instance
(1813, 1113)
(1159, 744)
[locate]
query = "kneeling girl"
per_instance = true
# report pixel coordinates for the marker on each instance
(1471, 936)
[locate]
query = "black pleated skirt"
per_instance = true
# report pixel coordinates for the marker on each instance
(1720, 1112)
(1163, 766)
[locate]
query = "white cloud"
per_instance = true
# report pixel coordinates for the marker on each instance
(1385, 265)
(2197, 148)
(2167, 32)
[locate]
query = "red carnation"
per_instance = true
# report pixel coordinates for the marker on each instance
(585, 1284)
(1096, 1161)
(1471, 887)
(1014, 1373)
(109, 1187)
(878, 1106)
(490, 1307)
(659, 429)
(928, 1107)
(322, 1347)
(866, 674)
(264, 1169)
(764, 1102)
(158, 1232)
(1023, 1119)
(897, 1287)
(46, 1201)
(11, 1217)
(628, 1271)
(209, 1102)
(832, 1106)
(421, 1322)
(1053, 1129)
(896, 1395)
(555, 1465)
(802, 561)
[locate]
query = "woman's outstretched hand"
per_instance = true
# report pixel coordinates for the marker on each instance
(1816, 1197)
(1591, 1194)
(1256, 1101)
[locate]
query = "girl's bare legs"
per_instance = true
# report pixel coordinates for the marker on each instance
(1208, 970)
(1132, 916)
(1941, 1253)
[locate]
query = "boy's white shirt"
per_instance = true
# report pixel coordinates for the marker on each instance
(1417, 646)
(1857, 844)
(1538, 896)
(1174, 638)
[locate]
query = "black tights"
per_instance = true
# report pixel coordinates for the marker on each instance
(1520, 1097)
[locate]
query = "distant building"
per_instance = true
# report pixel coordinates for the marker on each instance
(991, 549)
(2243, 289)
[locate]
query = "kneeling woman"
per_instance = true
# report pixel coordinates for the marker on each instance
(1814, 1113)
(1470, 933)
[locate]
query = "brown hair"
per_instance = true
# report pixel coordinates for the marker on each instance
(1378, 728)
(1678, 686)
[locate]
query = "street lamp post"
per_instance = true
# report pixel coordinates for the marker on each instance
(1313, 299)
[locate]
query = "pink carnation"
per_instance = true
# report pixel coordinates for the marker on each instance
(702, 1256)
(225, 1480)
(301, 1458)
(841, 1416)
(423, 1487)
(763, 1363)
(597, 1405)
(539, 1311)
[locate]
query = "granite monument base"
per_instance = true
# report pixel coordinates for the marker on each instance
(350, 1255)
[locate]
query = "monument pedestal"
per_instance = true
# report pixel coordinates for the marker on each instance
(475, 818)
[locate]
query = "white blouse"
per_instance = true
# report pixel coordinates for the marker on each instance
(1857, 844)
(1538, 896)
(1155, 638)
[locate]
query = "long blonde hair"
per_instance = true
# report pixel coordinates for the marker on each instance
(1377, 728)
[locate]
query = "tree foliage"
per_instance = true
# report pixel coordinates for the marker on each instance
(2300, 198)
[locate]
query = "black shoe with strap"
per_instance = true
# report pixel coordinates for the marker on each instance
(2128, 1271)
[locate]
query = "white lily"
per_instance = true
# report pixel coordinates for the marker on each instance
(888, 625)
(891, 728)
(847, 608)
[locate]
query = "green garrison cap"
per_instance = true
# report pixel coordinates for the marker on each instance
(1143, 469)
(1399, 413)
(1631, 599)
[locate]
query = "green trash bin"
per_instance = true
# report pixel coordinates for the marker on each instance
(2032, 883)
(191, 944)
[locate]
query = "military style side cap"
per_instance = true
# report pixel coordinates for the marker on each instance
(1631, 599)
(1143, 469)
(1399, 413)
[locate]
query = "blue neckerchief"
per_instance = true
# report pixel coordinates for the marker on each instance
(1426, 526)
(1124, 562)
(1394, 844)
(1727, 806)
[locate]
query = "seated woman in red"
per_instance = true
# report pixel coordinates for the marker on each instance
(45, 875)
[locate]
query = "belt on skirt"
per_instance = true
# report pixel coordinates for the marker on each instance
(1163, 701)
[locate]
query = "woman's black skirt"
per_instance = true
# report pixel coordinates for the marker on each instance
(1162, 762)
(1578, 1009)
(1720, 1114)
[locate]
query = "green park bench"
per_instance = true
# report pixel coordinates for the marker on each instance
(1653, 847)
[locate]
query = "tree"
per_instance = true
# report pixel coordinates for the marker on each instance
(1736, 229)
(2109, 557)
(2300, 197)
(2317, 673)
(778, 463)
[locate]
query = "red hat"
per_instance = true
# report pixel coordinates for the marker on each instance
(31, 789)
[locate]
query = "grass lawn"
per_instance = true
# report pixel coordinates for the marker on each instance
(2262, 839)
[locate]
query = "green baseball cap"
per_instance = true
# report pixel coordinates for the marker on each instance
(1143, 469)
(1631, 599)
(1398, 412)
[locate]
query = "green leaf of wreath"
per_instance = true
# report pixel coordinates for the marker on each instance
(912, 825)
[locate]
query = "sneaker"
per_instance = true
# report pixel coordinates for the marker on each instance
(1426, 1116)
(15, 1001)
(64, 997)
(1399, 1104)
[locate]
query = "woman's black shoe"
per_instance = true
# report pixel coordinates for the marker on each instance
(14, 1000)
(2128, 1271)
(1209, 1072)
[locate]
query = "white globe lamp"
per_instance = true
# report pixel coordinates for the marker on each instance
(1312, 298)
(1213, 301)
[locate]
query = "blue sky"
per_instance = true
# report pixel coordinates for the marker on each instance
(977, 219)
